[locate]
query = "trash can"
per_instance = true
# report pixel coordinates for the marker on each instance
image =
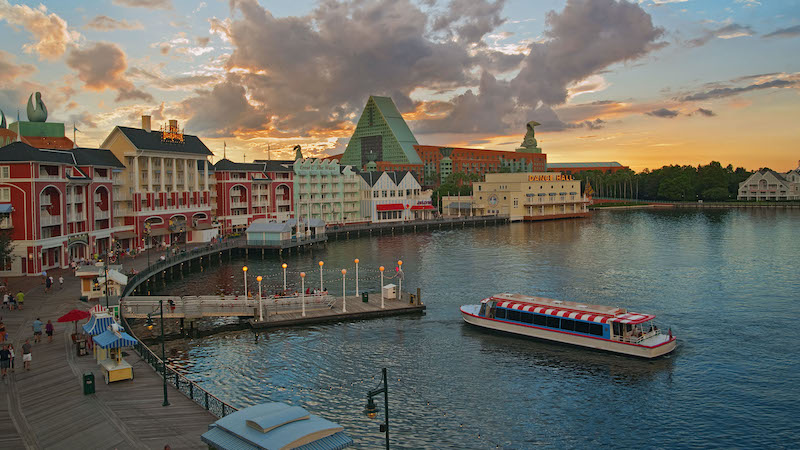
(88, 383)
(365, 297)
(411, 298)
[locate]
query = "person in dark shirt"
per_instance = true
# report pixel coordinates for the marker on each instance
(5, 360)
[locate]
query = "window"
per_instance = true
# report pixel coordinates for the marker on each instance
(5, 195)
(596, 329)
(375, 194)
(5, 172)
(501, 313)
(539, 319)
(552, 322)
(513, 314)
(568, 324)
(526, 317)
(582, 327)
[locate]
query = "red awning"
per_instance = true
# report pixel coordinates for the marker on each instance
(390, 207)
(421, 207)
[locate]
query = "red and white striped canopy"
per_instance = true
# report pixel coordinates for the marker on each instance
(632, 318)
(98, 309)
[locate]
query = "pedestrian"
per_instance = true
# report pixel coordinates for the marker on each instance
(20, 300)
(2, 332)
(5, 360)
(47, 284)
(49, 329)
(6, 301)
(37, 330)
(61, 282)
(11, 349)
(26, 355)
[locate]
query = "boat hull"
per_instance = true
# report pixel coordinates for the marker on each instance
(469, 313)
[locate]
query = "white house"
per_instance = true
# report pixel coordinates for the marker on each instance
(394, 197)
(770, 185)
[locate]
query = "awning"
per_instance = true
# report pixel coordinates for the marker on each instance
(552, 193)
(573, 193)
(6, 208)
(124, 234)
(202, 226)
(390, 207)
(159, 232)
(98, 324)
(421, 207)
(632, 318)
(110, 339)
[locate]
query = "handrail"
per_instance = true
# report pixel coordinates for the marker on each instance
(187, 387)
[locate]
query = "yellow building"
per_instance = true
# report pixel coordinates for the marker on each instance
(529, 196)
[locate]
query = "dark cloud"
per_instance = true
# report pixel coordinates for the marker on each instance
(789, 32)
(470, 20)
(102, 66)
(203, 41)
(224, 109)
(149, 4)
(727, 32)
(83, 119)
(730, 91)
(663, 113)
(105, 23)
(705, 112)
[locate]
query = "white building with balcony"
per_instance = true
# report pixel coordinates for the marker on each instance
(394, 197)
(768, 185)
(326, 190)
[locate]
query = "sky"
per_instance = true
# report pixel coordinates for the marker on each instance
(645, 83)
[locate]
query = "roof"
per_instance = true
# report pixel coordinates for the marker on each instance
(274, 426)
(98, 324)
(151, 140)
(460, 205)
(396, 176)
(228, 165)
(95, 157)
(277, 165)
(262, 226)
(399, 127)
(110, 339)
(22, 152)
(114, 276)
(775, 174)
(49, 142)
(577, 165)
(313, 222)
(570, 310)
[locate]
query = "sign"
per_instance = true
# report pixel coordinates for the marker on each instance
(493, 200)
(549, 178)
(79, 239)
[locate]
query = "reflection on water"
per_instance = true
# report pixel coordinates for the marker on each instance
(723, 280)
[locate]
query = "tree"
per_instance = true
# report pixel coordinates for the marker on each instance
(6, 246)
(716, 194)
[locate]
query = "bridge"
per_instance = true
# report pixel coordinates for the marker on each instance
(195, 307)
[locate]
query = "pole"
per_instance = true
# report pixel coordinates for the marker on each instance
(344, 292)
(386, 405)
(163, 353)
(320, 276)
(303, 291)
(260, 310)
(106, 280)
(284, 277)
(356, 277)
(381, 269)
(244, 273)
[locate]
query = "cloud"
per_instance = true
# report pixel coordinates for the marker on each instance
(49, 30)
(10, 71)
(150, 4)
(202, 41)
(731, 91)
(225, 109)
(789, 32)
(705, 112)
(180, 82)
(729, 31)
(105, 23)
(469, 20)
(102, 66)
(663, 113)
(83, 118)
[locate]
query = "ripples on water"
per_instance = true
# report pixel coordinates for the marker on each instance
(727, 282)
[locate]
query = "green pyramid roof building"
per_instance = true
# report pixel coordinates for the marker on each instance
(381, 135)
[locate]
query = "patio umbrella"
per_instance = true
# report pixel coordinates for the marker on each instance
(74, 316)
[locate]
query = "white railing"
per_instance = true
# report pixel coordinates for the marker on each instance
(100, 215)
(5, 223)
(238, 204)
(47, 220)
(222, 306)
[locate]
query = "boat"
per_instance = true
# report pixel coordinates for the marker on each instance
(598, 327)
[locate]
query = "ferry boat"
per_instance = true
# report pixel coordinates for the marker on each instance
(594, 326)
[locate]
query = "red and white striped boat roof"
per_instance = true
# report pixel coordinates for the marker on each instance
(620, 316)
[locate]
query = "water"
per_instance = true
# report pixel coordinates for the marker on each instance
(726, 281)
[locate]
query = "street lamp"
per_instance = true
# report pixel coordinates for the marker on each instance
(149, 324)
(344, 293)
(320, 276)
(371, 411)
(244, 272)
(105, 269)
(381, 268)
(400, 280)
(284, 277)
(303, 291)
(260, 313)
(356, 261)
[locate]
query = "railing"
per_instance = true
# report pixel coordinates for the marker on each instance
(534, 201)
(47, 221)
(5, 223)
(284, 243)
(101, 215)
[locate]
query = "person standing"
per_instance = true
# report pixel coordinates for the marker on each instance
(26, 355)
(37, 330)
(6, 301)
(61, 281)
(5, 360)
(2, 332)
(11, 349)
(20, 300)
(49, 329)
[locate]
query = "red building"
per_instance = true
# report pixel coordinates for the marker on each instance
(57, 205)
(575, 168)
(250, 191)
(439, 162)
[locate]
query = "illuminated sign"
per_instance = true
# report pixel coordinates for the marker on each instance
(549, 178)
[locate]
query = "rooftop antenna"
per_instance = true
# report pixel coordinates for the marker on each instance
(19, 128)
(224, 150)
(269, 155)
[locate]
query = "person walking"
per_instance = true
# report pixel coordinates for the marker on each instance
(37, 331)
(5, 360)
(61, 281)
(26, 355)
(6, 301)
(49, 329)
(11, 349)
(20, 300)
(47, 285)
(2, 332)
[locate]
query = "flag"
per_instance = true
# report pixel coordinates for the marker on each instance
(74, 128)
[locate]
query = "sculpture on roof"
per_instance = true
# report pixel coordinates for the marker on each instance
(3, 120)
(530, 140)
(38, 112)
(298, 153)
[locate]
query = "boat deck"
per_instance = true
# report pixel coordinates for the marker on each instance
(542, 301)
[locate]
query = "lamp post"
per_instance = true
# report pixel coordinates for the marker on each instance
(400, 280)
(105, 269)
(260, 313)
(303, 291)
(320, 276)
(356, 261)
(381, 268)
(244, 272)
(371, 410)
(344, 293)
(284, 276)
(163, 350)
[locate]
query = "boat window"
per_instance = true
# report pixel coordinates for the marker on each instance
(483, 310)
(539, 319)
(513, 314)
(582, 327)
(526, 317)
(617, 329)
(596, 329)
(568, 324)
(500, 313)
(552, 322)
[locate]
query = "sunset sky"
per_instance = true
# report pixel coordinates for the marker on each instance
(644, 83)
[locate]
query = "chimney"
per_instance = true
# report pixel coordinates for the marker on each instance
(173, 125)
(146, 123)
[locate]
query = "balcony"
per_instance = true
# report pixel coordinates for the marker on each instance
(283, 202)
(47, 220)
(238, 204)
(77, 217)
(5, 223)
(47, 176)
(101, 215)
(74, 198)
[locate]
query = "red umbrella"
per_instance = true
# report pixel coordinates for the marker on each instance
(74, 316)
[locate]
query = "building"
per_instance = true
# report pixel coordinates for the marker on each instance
(57, 205)
(326, 190)
(440, 162)
(530, 196)
(770, 185)
(164, 193)
(36, 132)
(394, 197)
(573, 168)
(246, 192)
